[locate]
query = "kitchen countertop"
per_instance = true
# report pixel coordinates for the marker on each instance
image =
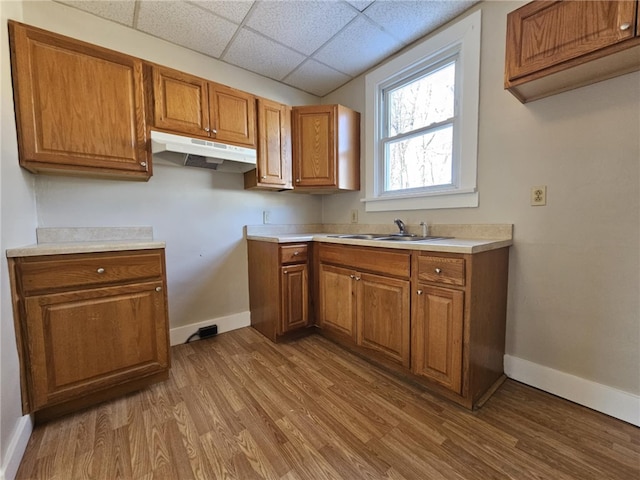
(60, 241)
(449, 245)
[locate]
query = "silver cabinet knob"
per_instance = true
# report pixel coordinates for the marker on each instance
(625, 26)
(264, 177)
(438, 271)
(158, 289)
(213, 130)
(285, 272)
(143, 164)
(100, 270)
(297, 180)
(419, 292)
(206, 129)
(357, 279)
(352, 276)
(296, 253)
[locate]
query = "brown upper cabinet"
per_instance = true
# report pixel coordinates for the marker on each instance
(273, 169)
(190, 105)
(326, 148)
(557, 46)
(79, 107)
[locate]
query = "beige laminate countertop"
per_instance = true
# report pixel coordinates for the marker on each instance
(450, 245)
(61, 241)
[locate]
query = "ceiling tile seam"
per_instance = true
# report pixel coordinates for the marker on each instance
(136, 14)
(306, 60)
(237, 32)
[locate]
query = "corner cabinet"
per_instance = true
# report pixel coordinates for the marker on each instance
(279, 282)
(90, 327)
(326, 148)
(557, 46)
(189, 105)
(79, 107)
(273, 169)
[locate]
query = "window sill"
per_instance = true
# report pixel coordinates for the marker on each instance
(453, 199)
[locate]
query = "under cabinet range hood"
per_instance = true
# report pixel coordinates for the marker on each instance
(195, 152)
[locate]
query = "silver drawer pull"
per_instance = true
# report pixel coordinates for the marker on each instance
(625, 26)
(296, 253)
(158, 289)
(419, 292)
(100, 270)
(438, 271)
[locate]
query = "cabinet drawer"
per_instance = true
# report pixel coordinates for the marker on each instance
(64, 271)
(377, 260)
(293, 253)
(447, 270)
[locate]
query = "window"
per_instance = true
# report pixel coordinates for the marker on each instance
(421, 145)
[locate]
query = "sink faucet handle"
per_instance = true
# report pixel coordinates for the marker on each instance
(400, 225)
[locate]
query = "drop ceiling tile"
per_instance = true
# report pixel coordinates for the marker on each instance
(119, 11)
(304, 26)
(234, 10)
(316, 78)
(409, 20)
(186, 25)
(348, 53)
(263, 56)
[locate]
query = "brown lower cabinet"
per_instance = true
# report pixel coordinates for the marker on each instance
(433, 318)
(279, 288)
(89, 326)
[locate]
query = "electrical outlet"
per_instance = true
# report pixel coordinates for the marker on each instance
(539, 195)
(354, 216)
(266, 217)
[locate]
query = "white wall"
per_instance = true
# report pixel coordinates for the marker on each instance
(18, 223)
(574, 268)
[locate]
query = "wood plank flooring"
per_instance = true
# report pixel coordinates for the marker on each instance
(240, 407)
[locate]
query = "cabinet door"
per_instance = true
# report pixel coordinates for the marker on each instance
(274, 144)
(180, 102)
(314, 156)
(233, 115)
(337, 300)
(437, 328)
(543, 34)
(295, 297)
(79, 107)
(85, 341)
(383, 316)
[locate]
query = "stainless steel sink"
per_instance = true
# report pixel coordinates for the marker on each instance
(361, 236)
(409, 238)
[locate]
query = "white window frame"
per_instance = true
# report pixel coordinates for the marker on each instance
(462, 37)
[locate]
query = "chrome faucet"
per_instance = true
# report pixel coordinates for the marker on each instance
(400, 225)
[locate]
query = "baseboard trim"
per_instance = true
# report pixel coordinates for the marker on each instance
(179, 335)
(17, 446)
(610, 401)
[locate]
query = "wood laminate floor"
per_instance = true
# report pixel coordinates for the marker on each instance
(239, 407)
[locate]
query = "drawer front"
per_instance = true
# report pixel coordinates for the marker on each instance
(377, 260)
(293, 253)
(446, 270)
(83, 270)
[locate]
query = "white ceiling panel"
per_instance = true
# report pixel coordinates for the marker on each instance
(357, 48)
(261, 55)
(410, 20)
(231, 10)
(186, 25)
(304, 26)
(120, 11)
(316, 78)
(314, 45)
